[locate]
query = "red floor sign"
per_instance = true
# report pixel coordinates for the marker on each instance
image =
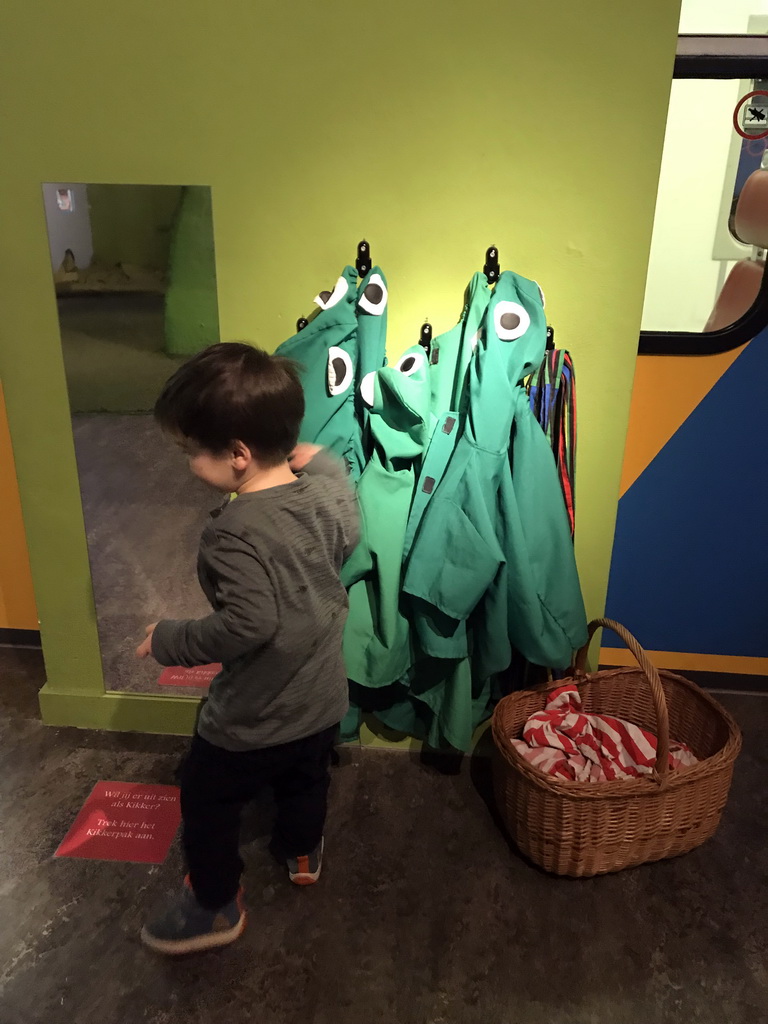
(131, 821)
(200, 676)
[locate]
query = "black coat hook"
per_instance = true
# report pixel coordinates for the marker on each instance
(363, 261)
(301, 323)
(491, 268)
(425, 337)
(550, 338)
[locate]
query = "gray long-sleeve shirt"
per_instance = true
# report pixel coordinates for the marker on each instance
(269, 564)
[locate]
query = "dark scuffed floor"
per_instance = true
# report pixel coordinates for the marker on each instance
(423, 915)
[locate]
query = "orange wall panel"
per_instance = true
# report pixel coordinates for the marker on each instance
(17, 599)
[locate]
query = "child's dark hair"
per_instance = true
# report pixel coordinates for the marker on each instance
(235, 392)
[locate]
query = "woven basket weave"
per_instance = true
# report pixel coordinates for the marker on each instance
(590, 828)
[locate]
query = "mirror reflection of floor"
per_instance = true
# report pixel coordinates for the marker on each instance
(144, 513)
(114, 351)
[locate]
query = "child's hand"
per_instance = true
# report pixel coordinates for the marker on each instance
(144, 650)
(302, 454)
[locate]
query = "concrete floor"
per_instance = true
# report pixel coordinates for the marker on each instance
(423, 916)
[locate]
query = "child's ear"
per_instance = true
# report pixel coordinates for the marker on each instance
(241, 455)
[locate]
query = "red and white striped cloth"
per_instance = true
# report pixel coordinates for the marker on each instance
(564, 741)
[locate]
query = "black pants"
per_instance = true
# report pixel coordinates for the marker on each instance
(217, 783)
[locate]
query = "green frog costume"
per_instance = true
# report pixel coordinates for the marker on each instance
(544, 608)
(327, 353)
(451, 356)
(438, 699)
(478, 535)
(377, 645)
(452, 352)
(466, 550)
(372, 302)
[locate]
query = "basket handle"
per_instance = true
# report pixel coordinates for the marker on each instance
(651, 675)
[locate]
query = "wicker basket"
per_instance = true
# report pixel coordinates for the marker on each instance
(590, 828)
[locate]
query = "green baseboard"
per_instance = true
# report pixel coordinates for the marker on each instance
(176, 716)
(374, 735)
(120, 712)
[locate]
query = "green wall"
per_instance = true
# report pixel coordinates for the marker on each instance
(132, 224)
(432, 130)
(191, 305)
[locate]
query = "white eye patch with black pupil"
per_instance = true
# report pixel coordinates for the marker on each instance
(411, 362)
(340, 371)
(368, 388)
(374, 297)
(511, 320)
(325, 300)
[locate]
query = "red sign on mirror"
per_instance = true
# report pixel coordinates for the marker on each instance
(201, 676)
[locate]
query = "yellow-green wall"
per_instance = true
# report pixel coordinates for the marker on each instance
(434, 130)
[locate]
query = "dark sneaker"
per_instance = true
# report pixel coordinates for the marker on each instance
(183, 926)
(306, 870)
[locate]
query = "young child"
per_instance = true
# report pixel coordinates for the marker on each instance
(269, 564)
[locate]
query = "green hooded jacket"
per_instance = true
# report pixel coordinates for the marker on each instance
(483, 535)
(377, 646)
(326, 351)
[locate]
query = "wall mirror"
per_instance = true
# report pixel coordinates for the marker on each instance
(135, 278)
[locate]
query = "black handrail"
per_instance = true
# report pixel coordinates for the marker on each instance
(710, 343)
(708, 56)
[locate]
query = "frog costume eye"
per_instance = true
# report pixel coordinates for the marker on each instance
(511, 320)
(340, 371)
(326, 300)
(411, 363)
(374, 297)
(367, 388)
